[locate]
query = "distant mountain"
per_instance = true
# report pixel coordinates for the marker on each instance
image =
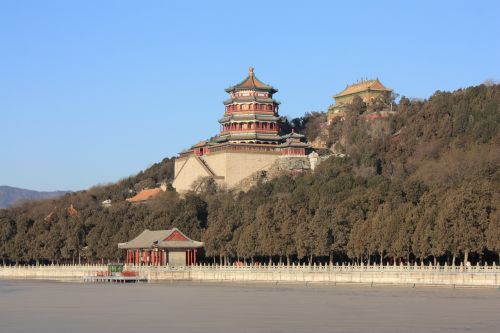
(11, 195)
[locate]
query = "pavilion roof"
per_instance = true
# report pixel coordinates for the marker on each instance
(294, 139)
(297, 144)
(170, 239)
(145, 195)
(252, 83)
(374, 85)
(293, 135)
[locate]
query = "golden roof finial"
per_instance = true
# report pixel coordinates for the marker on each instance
(250, 71)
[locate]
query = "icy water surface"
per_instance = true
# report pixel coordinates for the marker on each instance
(42, 306)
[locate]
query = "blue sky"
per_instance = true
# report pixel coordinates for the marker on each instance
(94, 91)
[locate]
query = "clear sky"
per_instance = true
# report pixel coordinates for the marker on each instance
(94, 91)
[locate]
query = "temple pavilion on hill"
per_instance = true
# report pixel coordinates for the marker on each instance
(249, 139)
(161, 247)
(251, 114)
(368, 90)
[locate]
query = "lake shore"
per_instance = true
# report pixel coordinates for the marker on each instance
(48, 306)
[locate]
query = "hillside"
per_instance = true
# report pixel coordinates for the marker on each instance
(425, 188)
(11, 195)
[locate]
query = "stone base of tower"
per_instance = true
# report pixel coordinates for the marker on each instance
(238, 166)
(227, 168)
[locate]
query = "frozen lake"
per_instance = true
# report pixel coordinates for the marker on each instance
(44, 306)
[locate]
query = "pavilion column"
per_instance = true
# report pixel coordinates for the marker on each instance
(194, 257)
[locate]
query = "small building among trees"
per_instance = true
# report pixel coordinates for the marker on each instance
(371, 92)
(161, 247)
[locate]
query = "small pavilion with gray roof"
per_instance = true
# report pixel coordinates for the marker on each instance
(161, 247)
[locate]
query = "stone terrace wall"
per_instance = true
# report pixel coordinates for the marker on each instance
(485, 276)
(52, 272)
(475, 276)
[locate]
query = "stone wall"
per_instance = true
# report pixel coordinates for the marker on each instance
(52, 272)
(476, 276)
(187, 170)
(243, 165)
(217, 162)
(388, 275)
(229, 168)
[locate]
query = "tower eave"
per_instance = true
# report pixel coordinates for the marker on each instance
(248, 100)
(271, 89)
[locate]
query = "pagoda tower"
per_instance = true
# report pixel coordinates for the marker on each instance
(249, 142)
(251, 113)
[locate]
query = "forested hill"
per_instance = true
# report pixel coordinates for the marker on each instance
(11, 195)
(425, 188)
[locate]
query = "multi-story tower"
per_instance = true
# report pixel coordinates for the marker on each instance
(249, 141)
(251, 113)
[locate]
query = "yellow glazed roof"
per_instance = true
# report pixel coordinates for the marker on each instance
(374, 85)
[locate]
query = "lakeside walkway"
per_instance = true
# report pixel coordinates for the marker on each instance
(454, 276)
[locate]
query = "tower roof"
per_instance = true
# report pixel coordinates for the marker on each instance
(374, 85)
(294, 139)
(252, 83)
